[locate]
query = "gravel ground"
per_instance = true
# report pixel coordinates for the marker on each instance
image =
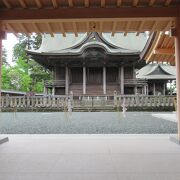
(84, 123)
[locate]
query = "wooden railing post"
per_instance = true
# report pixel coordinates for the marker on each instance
(7, 100)
(115, 99)
(71, 98)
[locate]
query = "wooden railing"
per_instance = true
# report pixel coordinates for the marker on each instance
(135, 81)
(55, 83)
(34, 101)
(94, 101)
(86, 101)
(144, 101)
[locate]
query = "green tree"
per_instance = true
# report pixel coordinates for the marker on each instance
(36, 72)
(4, 56)
(5, 77)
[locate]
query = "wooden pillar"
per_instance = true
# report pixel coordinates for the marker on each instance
(2, 36)
(84, 80)
(135, 90)
(119, 78)
(104, 79)
(147, 89)
(122, 80)
(53, 90)
(171, 87)
(177, 58)
(54, 75)
(144, 90)
(0, 67)
(67, 80)
(154, 89)
(45, 90)
(164, 89)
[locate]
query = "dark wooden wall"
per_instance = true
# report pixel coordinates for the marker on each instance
(76, 75)
(94, 75)
(59, 73)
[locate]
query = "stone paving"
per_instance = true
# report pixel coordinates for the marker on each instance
(89, 157)
(87, 123)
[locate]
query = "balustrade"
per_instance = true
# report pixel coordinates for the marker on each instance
(87, 101)
(33, 101)
(145, 101)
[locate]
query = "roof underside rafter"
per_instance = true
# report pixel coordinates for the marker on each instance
(64, 16)
(161, 49)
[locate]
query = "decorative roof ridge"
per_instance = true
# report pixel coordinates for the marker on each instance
(160, 67)
(68, 51)
(97, 37)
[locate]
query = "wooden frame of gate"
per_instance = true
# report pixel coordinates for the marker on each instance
(63, 16)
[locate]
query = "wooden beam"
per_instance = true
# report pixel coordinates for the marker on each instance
(103, 3)
(62, 29)
(127, 28)
(7, 4)
(135, 2)
(54, 3)
(50, 29)
(86, 3)
(119, 3)
(75, 29)
(24, 30)
(87, 27)
(168, 26)
(70, 2)
(100, 27)
(166, 51)
(114, 28)
(154, 27)
(36, 28)
(3, 35)
(156, 41)
(140, 28)
(84, 13)
(167, 2)
(23, 4)
(38, 3)
(11, 29)
(151, 2)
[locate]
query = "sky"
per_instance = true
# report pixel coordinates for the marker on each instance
(9, 43)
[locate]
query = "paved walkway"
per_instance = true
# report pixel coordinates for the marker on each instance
(89, 157)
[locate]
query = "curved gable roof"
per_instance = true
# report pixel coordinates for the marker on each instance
(157, 71)
(71, 44)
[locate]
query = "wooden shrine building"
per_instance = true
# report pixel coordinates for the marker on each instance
(96, 64)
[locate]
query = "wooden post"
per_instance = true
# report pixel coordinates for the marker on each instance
(135, 90)
(171, 87)
(122, 80)
(104, 79)
(177, 58)
(164, 89)
(154, 89)
(84, 80)
(2, 36)
(53, 90)
(119, 78)
(115, 99)
(67, 80)
(145, 90)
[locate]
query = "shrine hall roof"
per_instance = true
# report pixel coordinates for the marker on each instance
(72, 45)
(157, 71)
